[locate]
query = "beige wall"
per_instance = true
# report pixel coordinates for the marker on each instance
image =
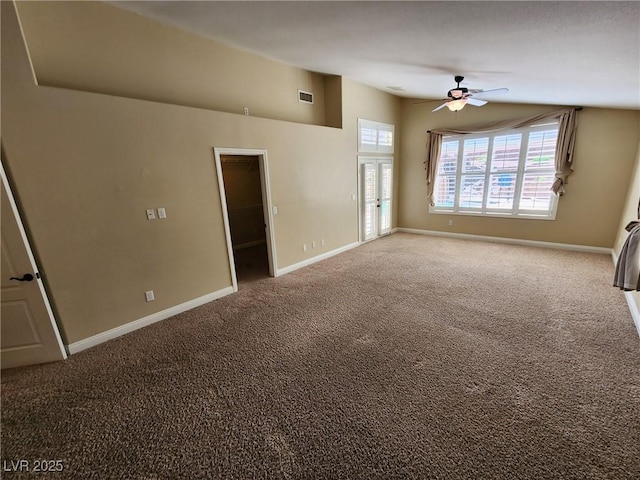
(375, 105)
(85, 166)
(588, 214)
(96, 47)
(630, 210)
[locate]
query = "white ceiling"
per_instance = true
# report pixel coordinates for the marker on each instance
(561, 53)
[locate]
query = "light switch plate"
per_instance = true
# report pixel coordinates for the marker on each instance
(151, 214)
(162, 213)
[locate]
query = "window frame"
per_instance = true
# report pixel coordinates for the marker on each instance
(485, 211)
(379, 128)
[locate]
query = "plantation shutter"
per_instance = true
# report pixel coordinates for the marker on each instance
(563, 158)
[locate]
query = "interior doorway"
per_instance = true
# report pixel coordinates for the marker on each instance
(375, 183)
(244, 186)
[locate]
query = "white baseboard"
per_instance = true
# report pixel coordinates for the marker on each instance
(633, 308)
(512, 241)
(631, 302)
(310, 261)
(148, 320)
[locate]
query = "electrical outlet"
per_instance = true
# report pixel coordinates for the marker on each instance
(245, 110)
(450, 222)
(322, 242)
(151, 214)
(149, 296)
(354, 197)
(304, 247)
(313, 244)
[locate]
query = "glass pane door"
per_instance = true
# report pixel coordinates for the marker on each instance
(376, 184)
(369, 216)
(384, 194)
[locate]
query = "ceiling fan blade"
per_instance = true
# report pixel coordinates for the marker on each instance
(422, 102)
(494, 91)
(441, 106)
(476, 102)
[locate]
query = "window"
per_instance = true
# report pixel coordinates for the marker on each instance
(508, 173)
(375, 136)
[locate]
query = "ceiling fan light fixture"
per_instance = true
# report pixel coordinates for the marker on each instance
(457, 105)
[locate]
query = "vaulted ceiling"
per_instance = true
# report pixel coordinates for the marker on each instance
(560, 53)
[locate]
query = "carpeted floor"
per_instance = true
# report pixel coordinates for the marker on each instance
(410, 357)
(251, 263)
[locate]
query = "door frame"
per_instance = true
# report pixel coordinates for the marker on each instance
(362, 159)
(27, 246)
(266, 205)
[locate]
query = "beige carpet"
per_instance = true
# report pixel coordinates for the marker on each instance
(410, 357)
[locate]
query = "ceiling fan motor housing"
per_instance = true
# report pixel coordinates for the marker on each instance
(457, 93)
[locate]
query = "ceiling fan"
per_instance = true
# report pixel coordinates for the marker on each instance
(460, 96)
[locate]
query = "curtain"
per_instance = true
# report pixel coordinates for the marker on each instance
(434, 145)
(564, 148)
(627, 276)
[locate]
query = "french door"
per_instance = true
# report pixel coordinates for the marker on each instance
(375, 178)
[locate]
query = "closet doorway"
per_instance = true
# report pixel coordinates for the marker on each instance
(244, 192)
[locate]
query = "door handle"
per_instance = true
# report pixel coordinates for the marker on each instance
(27, 277)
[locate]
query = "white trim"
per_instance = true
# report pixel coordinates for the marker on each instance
(484, 210)
(377, 160)
(225, 220)
(377, 126)
(633, 306)
(32, 261)
(513, 241)
(306, 93)
(145, 321)
(614, 257)
(310, 261)
(268, 212)
(266, 206)
(494, 214)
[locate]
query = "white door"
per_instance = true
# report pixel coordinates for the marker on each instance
(267, 208)
(376, 180)
(29, 334)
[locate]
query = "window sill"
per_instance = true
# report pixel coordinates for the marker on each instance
(524, 216)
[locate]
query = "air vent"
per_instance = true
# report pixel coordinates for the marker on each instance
(305, 97)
